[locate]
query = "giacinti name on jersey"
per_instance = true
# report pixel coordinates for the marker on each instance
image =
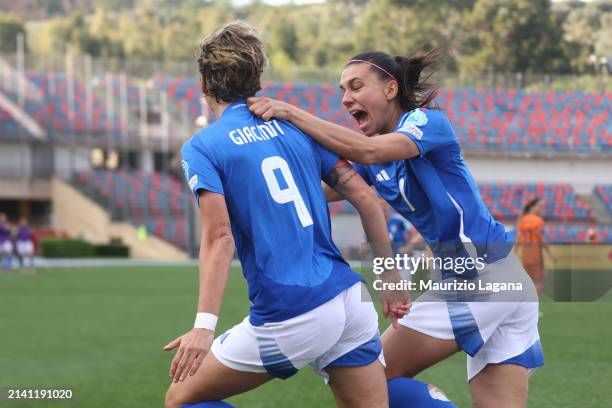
(259, 133)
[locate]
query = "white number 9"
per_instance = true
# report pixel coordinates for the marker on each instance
(289, 194)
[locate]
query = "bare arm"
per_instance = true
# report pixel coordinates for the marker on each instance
(330, 194)
(415, 240)
(216, 253)
(349, 184)
(344, 142)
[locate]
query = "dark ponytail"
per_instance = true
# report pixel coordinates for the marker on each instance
(414, 92)
(530, 204)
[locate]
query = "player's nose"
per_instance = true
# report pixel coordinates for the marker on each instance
(347, 99)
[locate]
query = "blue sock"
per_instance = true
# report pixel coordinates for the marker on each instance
(409, 393)
(209, 404)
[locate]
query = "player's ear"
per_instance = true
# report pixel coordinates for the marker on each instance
(391, 89)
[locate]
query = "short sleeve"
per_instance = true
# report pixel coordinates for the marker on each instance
(199, 171)
(362, 172)
(328, 159)
(428, 133)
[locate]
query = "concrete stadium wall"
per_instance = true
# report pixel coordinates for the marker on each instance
(70, 159)
(83, 218)
(347, 230)
(24, 189)
(15, 160)
(582, 174)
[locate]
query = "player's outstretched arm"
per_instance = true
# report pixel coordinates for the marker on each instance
(345, 142)
(216, 253)
(348, 183)
(331, 195)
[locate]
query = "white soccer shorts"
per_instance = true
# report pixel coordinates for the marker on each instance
(25, 248)
(489, 331)
(340, 332)
(6, 247)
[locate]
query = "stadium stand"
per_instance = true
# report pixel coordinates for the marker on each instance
(9, 126)
(185, 92)
(485, 119)
(158, 200)
(604, 193)
(506, 201)
(537, 121)
(561, 233)
(492, 120)
(55, 110)
(132, 92)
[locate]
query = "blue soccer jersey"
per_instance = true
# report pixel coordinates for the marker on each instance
(436, 192)
(270, 174)
(398, 228)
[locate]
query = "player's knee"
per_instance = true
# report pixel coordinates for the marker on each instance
(173, 398)
(401, 370)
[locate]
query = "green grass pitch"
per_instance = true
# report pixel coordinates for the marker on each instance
(99, 331)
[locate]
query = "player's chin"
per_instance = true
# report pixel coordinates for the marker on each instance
(367, 129)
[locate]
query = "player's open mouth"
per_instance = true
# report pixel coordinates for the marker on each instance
(361, 117)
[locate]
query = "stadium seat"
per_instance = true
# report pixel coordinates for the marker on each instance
(157, 200)
(506, 201)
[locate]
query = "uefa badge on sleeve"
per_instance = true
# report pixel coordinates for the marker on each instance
(413, 130)
(193, 181)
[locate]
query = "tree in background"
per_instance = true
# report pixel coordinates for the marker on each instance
(587, 31)
(104, 27)
(517, 36)
(142, 36)
(10, 27)
(506, 36)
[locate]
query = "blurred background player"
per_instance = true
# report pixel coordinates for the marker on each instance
(530, 242)
(405, 238)
(410, 153)
(398, 227)
(24, 243)
(6, 244)
(258, 187)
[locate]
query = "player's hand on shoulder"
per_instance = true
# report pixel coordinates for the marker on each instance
(268, 108)
(192, 348)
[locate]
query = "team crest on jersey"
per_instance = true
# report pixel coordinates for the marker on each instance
(412, 129)
(185, 167)
(193, 181)
(416, 117)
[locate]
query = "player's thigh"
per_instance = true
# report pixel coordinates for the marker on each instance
(408, 352)
(501, 386)
(359, 387)
(213, 381)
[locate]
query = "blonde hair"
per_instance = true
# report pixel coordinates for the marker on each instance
(231, 61)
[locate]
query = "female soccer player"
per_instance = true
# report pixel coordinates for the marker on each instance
(257, 184)
(24, 242)
(410, 153)
(6, 244)
(530, 242)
